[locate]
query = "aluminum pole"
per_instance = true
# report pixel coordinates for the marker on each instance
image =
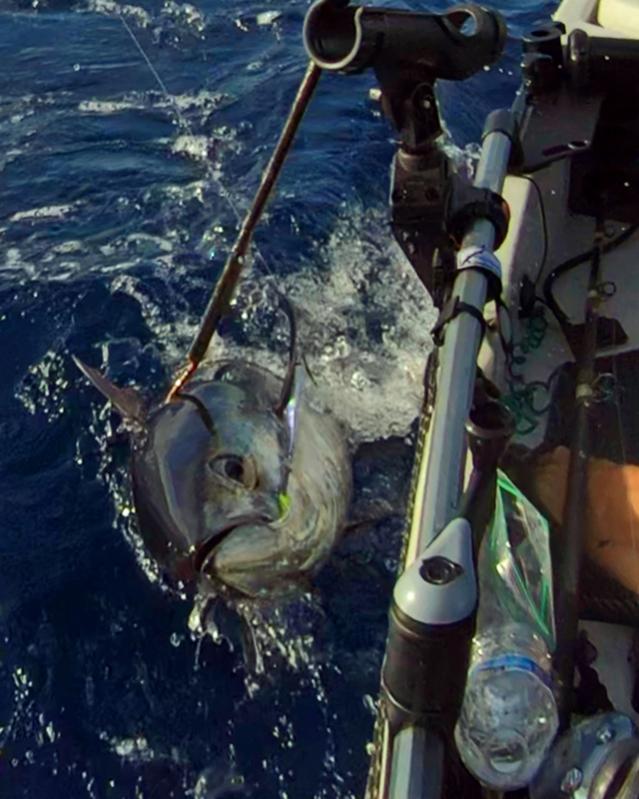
(442, 481)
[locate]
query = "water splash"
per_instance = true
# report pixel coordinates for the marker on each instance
(221, 780)
(45, 386)
(135, 14)
(364, 322)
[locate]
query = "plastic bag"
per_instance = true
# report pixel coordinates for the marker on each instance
(517, 557)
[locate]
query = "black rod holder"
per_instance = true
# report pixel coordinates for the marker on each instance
(453, 45)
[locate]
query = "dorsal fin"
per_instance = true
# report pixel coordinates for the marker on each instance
(126, 401)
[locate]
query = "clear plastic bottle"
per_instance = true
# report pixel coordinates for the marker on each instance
(509, 718)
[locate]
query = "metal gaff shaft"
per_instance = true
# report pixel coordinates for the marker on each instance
(221, 297)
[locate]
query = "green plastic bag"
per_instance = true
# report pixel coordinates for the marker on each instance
(517, 558)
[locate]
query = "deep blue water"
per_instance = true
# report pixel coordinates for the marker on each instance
(115, 218)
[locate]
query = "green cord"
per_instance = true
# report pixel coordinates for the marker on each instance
(522, 398)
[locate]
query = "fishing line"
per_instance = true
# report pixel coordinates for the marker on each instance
(224, 289)
(154, 72)
(185, 126)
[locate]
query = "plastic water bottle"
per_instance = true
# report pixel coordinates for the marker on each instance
(509, 718)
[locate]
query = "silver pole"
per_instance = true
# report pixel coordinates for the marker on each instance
(442, 482)
(415, 749)
(417, 765)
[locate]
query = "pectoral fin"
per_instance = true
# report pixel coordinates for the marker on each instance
(126, 401)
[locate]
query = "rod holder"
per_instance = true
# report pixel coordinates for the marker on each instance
(453, 45)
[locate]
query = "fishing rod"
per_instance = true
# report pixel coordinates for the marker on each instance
(225, 287)
(567, 554)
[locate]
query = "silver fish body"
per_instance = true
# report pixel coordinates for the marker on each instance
(258, 558)
(228, 493)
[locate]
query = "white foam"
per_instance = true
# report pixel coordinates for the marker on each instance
(46, 212)
(195, 147)
(185, 14)
(109, 106)
(13, 263)
(66, 248)
(110, 8)
(139, 243)
(187, 191)
(204, 101)
(268, 17)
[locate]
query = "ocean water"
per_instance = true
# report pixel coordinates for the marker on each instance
(132, 137)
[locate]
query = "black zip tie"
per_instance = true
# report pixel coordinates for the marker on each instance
(451, 309)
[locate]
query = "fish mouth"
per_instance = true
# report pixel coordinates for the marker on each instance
(205, 554)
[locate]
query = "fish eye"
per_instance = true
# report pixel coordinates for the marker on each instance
(229, 466)
(234, 468)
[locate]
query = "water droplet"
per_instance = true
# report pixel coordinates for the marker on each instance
(359, 380)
